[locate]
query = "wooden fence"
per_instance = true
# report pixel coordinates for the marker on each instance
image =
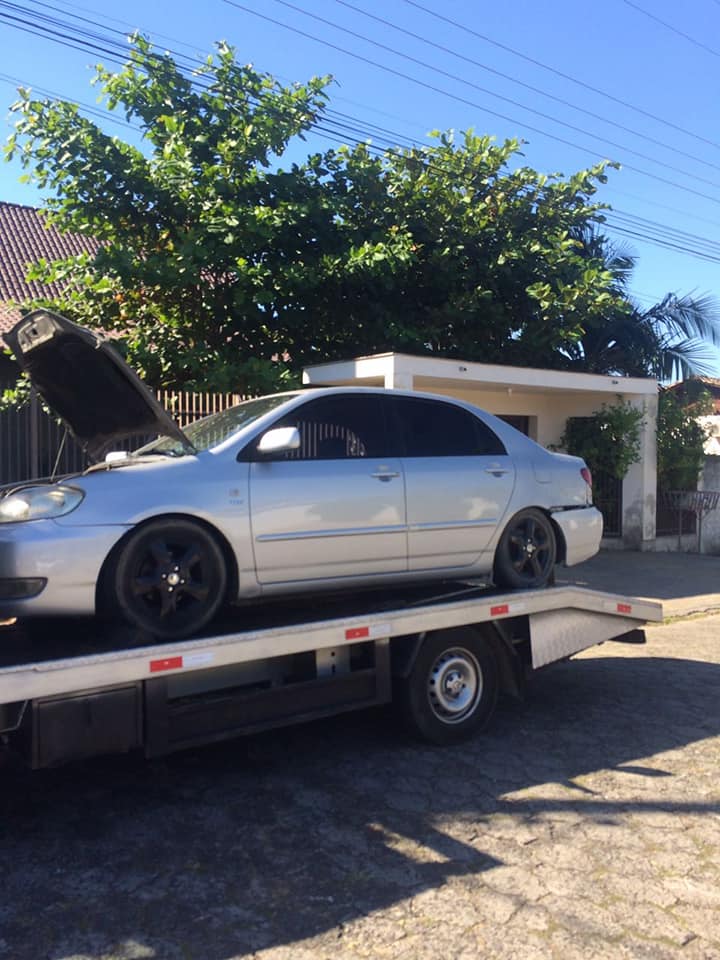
(33, 444)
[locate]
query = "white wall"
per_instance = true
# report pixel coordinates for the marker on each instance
(640, 484)
(550, 410)
(710, 480)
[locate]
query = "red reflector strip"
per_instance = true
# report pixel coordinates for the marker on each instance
(624, 608)
(499, 610)
(357, 633)
(169, 663)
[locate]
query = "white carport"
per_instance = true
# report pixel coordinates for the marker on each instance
(545, 399)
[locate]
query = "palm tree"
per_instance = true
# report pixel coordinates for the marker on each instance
(675, 338)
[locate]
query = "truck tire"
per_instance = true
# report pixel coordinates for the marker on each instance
(452, 688)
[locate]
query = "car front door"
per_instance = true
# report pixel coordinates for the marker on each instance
(458, 481)
(335, 507)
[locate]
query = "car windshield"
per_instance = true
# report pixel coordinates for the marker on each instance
(213, 430)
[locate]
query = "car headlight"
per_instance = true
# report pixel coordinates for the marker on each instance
(39, 503)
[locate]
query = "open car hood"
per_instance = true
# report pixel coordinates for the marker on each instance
(87, 384)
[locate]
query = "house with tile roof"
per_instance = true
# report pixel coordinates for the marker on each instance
(688, 389)
(25, 238)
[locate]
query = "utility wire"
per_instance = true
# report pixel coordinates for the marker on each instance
(471, 103)
(669, 26)
(542, 132)
(682, 241)
(87, 107)
(529, 86)
(335, 123)
(559, 73)
(689, 242)
(491, 93)
(661, 242)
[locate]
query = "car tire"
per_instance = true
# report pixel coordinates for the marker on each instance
(526, 554)
(169, 578)
(452, 688)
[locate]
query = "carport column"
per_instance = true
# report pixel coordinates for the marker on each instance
(640, 484)
(399, 380)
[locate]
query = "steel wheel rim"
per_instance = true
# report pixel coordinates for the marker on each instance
(454, 685)
(170, 580)
(530, 549)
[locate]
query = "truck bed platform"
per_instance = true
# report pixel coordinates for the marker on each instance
(562, 620)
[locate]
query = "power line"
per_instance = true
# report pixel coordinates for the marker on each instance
(669, 26)
(661, 242)
(638, 227)
(528, 86)
(687, 242)
(117, 53)
(471, 103)
(559, 73)
(680, 234)
(666, 206)
(88, 108)
(491, 93)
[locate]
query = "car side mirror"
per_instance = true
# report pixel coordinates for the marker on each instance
(279, 440)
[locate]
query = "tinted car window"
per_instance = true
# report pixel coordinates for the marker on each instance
(431, 428)
(338, 427)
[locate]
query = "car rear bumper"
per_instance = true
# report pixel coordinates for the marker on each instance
(582, 530)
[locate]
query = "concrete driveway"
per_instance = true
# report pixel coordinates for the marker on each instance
(685, 583)
(584, 824)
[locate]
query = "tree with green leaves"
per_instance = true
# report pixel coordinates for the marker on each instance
(220, 269)
(681, 438)
(489, 269)
(671, 339)
(198, 229)
(608, 441)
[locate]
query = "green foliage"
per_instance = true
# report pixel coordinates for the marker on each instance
(609, 440)
(680, 439)
(476, 259)
(196, 227)
(671, 339)
(214, 261)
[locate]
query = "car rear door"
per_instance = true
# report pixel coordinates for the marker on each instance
(336, 506)
(458, 481)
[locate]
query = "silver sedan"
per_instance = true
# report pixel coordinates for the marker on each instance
(285, 494)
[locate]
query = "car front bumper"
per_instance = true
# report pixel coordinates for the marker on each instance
(47, 568)
(582, 530)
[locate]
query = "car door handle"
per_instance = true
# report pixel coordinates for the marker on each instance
(384, 475)
(497, 471)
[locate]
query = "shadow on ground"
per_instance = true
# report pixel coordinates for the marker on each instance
(224, 851)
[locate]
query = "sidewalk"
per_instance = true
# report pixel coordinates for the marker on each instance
(685, 583)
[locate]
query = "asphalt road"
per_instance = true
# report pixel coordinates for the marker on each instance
(584, 824)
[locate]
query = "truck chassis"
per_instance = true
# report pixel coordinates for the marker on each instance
(445, 657)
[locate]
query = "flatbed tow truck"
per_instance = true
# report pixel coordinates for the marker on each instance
(73, 690)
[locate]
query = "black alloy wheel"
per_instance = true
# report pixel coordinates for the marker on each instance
(170, 578)
(526, 553)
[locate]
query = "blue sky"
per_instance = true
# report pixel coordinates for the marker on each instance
(634, 81)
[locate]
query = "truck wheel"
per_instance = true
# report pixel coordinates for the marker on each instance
(169, 578)
(526, 553)
(452, 688)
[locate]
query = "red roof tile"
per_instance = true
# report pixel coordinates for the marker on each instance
(25, 239)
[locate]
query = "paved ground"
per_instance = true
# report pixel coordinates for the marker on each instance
(584, 824)
(686, 583)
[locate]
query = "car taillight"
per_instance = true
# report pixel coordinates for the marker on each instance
(587, 476)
